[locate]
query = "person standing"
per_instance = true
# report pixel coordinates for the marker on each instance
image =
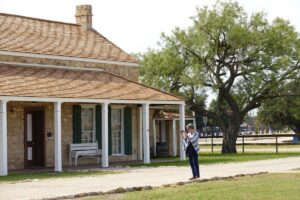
(191, 146)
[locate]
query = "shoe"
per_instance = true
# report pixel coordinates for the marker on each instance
(192, 178)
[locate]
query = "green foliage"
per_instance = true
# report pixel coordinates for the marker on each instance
(169, 71)
(244, 59)
(281, 112)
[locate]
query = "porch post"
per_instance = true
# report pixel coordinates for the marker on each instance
(154, 138)
(174, 138)
(3, 138)
(104, 134)
(140, 154)
(146, 133)
(57, 136)
(182, 128)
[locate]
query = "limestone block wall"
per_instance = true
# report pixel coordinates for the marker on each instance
(129, 72)
(16, 134)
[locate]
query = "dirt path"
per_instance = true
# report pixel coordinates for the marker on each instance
(51, 188)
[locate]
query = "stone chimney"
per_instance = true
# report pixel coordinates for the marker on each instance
(84, 16)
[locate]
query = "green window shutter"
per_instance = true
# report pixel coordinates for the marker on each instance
(76, 124)
(99, 125)
(127, 131)
(109, 132)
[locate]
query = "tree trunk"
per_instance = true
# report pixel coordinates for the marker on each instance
(230, 136)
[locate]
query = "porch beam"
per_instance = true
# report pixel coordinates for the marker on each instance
(146, 133)
(174, 138)
(104, 135)
(3, 138)
(57, 136)
(86, 100)
(182, 128)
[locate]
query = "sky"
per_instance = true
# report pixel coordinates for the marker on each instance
(136, 25)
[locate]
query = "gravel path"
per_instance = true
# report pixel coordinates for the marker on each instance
(51, 188)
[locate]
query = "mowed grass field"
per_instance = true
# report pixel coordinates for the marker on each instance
(283, 186)
(251, 146)
(208, 158)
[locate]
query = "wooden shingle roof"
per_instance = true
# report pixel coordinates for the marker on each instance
(25, 81)
(39, 36)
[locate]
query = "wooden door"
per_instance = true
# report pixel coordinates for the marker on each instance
(34, 138)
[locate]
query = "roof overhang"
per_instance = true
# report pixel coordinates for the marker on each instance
(92, 101)
(56, 84)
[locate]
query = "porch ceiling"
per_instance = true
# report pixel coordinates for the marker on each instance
(24, 81)
(170, 115)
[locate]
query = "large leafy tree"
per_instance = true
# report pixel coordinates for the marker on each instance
(282, 112)
(243, 59)
(172, 72)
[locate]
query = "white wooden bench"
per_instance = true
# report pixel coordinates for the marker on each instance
(83, 150)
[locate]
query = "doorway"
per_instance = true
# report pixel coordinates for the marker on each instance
(34, 138)
(162, 148)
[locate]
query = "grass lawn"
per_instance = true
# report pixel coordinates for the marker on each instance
(207, 158)
(251, 146)
(45, 175)
(267, 187)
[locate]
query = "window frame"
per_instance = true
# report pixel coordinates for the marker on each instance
(83, 106)
(121, 107)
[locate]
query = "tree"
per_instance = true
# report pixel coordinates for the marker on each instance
(243, 59)
(282, 112)
(169, 71)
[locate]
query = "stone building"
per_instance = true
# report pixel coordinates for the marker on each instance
(64, 83)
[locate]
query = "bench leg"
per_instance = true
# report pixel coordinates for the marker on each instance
(70, 160)
(76, 161)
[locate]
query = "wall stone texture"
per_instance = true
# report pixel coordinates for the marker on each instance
(16, 134)
(128, 72)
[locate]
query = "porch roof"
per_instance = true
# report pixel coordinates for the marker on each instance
(30, 81)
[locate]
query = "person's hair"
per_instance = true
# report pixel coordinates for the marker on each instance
(190, 126)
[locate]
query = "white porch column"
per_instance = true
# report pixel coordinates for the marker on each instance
(3, 138)
(146, 133)
(195, 125)
(181, 127)
(174, 138)
(104, 135)
(154, 138)
(140, 154)
(57, 136)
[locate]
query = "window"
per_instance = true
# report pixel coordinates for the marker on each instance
(117, 131)
(88, 127)
(88, 124)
